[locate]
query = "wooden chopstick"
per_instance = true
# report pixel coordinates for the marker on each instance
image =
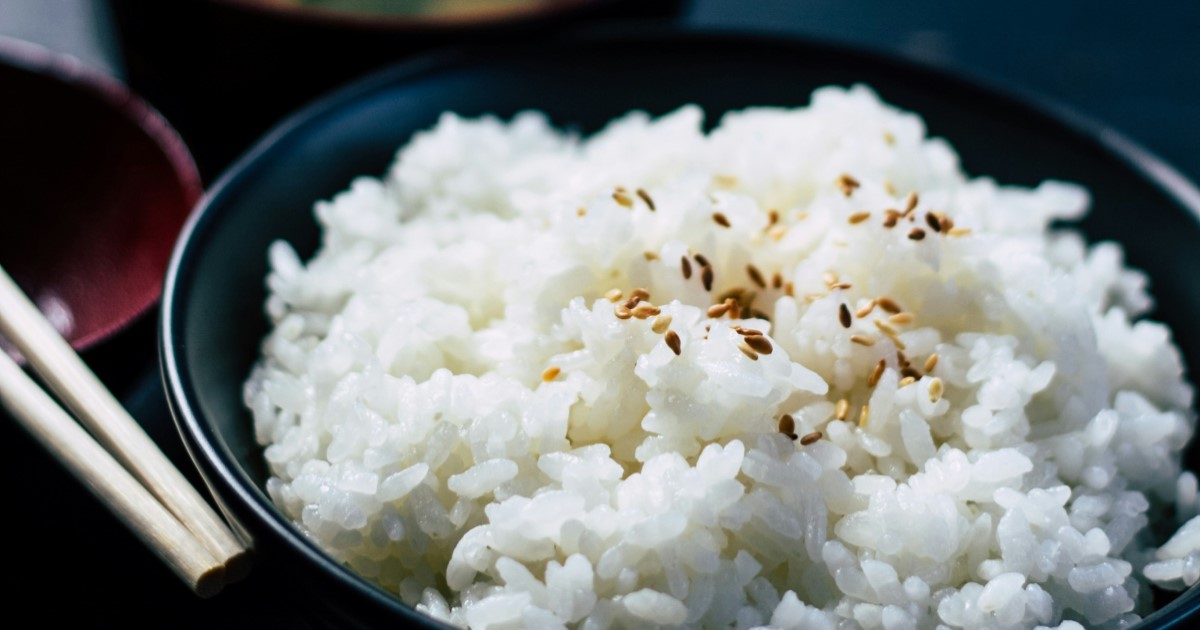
(96, 408)
(111, 483)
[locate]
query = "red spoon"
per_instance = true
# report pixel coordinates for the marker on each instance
(95, 186)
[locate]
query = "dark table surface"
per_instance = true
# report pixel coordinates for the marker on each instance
(1135, 66)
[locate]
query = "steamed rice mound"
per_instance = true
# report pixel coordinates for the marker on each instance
(456, 404)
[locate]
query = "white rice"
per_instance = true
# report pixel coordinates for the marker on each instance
(451, 407)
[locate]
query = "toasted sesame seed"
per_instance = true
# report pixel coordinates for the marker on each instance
(810, 438)
(748, 332)
(947, 222)
(686, 265)
(916, 234)
(623, 198)
(641, 192)
(902, 318)
(640, 293)
(759, 344)
(865, 309)
(789, 288)
(613, 295)
(725, 181)
(906, 381)
(885, 327)
(862, 340)
(777, 232)
(735, 308)
(846, 184)
(748, 351)
(551, 373)
(721, 219)
(841, 286)
(936, 389)
(649, 255)
(756, 276)
(700, 260)
(889, 138)
(645, 310)
(581, 212)
(673, 342)
(777, 280)
(813, 297)
(911, 201)
(876, 373)
(633, 301)
(661, 324)
(888, 304)
(959, 231)
(890, 219)
(829, 278)
(931, 362)
(864, 416)
(772, 217)
(842, 409)
(787, 425)
(859, 217)
(802, 215)
(933, 222)
(717, 310)
(844, 315)
(622, 312)
(889, 186)
(706, 277)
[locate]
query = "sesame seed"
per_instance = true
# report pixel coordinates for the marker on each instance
(865, 309)
(810, 438)
(772, 217)
(687, 268)
(661, 324)
(876, 373)
(673, 342)
(891, 218)
(829, 278)
(777, 280)
(931, 362)
(862, 340)
(885, 327)
(706, 277)
(842, 409)
(613, 295)
(902, 318)
(936, 389)
(859, 217)
(802, 215)
(701, 260)
(910, 202)
(933, 222)
(787, 426)
(622, 312)
(777, 232)
(717, 310)
(846, 184)
(748, 351)
(645, 310)
(640, 293)
(633, 301)
(916, 234)
(959, 231)
(551, 373)
(841, 286)
(756, 276)
(864, 416)
(906, 381)
(747, 332)
(947, 223)
(720, 219)
(789, 288)
(650, 255)
(844, 315)
(725, 181)
(889, 187)
(889, 138)
(759, 344)
(641, 192)
(813, 297)
(734, 307)
(888, 304)
(623, 198)
(581, 212)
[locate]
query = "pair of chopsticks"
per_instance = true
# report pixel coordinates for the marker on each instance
(129, 474)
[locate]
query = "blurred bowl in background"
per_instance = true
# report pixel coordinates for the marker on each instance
(224, 71)
(96, 185)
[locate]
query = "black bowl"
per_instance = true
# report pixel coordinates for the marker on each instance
(212, 316)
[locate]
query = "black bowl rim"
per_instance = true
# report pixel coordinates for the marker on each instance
(212, 455)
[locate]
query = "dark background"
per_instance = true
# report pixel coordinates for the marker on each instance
(1134, 66)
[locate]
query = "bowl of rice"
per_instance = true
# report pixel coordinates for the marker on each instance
(695, 330)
